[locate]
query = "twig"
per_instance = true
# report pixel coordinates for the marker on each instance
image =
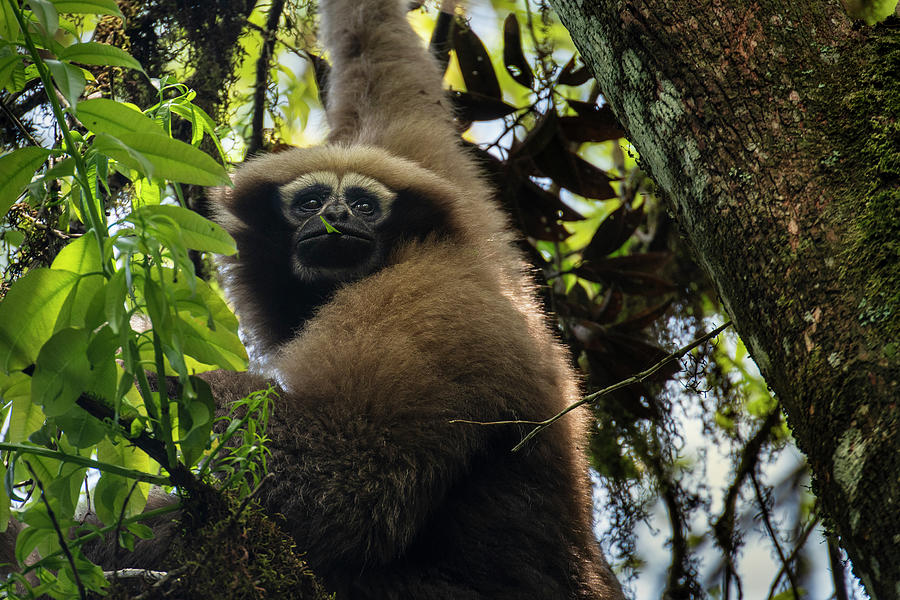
(248, 498)
(622, 384)
(179, 475)
(724, 526)
(152, 592)
(77, 542)
(59, 534)
(119, 528)
(145, 574)
(12, 117)
(838, 575)
(800, 543)
(764, 510)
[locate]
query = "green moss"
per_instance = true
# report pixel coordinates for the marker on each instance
(869, 136)
(231, 558)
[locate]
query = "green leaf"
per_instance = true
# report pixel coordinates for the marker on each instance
(81, 256)
(204, 302)
(83, 306)
(95, 53)
(185, 226)
(62, 371)
(195, 422)
(25, 417)
(9, 26)
(81, 428)
(197, 116)
(112, 492)
(32, 537)
(46, 14)
(28, 315)
(114, 302)
(102, 115)
(63, 168)
(140, 530)
(8, 64)
(113, 147)
(13, 237)
(131, 458)
(69, 79)
(91, 7)
(63, 490)
(62, 482)
(212, 346)
(16, 170)
(158, 155)
(102, 350)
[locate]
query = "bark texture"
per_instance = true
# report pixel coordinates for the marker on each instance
(773, 126)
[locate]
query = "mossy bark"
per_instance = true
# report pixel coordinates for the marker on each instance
(773, 126)
(226, 550)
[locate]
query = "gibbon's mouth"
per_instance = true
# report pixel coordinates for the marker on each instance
(318, 235)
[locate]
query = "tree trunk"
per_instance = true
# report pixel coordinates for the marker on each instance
(773, 127)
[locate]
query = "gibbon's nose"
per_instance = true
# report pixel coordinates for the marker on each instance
(336, 212)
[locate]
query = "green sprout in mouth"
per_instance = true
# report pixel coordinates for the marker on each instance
(329, 228)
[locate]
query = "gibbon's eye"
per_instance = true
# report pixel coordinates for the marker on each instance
(361, 200)
(311, 199)
(364, 207)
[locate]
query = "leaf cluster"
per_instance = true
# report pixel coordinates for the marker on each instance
(85, 339)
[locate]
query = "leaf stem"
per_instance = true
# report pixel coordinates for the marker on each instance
(86, 462)
(98, 223)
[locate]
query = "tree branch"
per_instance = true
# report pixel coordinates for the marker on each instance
(262, 77)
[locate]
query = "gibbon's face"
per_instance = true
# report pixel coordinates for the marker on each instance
(335, 221)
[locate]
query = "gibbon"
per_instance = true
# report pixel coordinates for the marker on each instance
(378, 284)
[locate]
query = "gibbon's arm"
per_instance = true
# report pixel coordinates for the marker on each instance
(385, 89)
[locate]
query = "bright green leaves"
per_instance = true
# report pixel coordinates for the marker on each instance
(46, 14)
(68, 78)
(102, 115)
(92, 7)
(9, 26)
(158, 155)
(177, 226)
(12, 71)
(93, 53)
(113, 492)
(117, 301)
(62, 371)
(17, 168)
(138, 142)
(29, 313)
